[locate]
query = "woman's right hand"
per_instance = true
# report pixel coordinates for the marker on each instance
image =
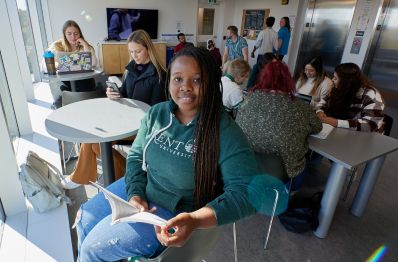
(110, 93)
(141, 204)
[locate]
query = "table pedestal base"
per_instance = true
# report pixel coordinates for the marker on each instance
(107, 163)
(330, 198)
(366, 186)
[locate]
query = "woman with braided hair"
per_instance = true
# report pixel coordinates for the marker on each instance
(189, 164)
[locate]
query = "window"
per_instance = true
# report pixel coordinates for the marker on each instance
(6, 104)
(206, 21)
(29, 40)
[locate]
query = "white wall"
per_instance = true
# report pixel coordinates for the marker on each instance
(95, 29)
(361, 7)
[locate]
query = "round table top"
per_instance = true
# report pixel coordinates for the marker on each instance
(96, 120)
(73, 76)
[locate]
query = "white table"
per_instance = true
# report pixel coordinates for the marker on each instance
(348, 149)
(72, 77)
(100, 120)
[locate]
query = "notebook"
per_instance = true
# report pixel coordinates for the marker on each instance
(74, 62)
(326, 130)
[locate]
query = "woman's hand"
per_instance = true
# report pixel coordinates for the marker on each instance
(326, 119)
(110, 93)
(83, 43)
(321, 115)
(141, 204)
(183, 224)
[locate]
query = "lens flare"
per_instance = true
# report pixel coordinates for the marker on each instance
(378, 254)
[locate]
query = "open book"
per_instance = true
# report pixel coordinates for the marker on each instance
(123, 211)
(326, 130)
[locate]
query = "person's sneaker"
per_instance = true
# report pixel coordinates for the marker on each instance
(67, 183)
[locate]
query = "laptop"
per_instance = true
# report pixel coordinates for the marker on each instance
(305, 98)
(74, 62)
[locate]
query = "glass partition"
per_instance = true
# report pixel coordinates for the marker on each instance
(29, 40)
(6, 104)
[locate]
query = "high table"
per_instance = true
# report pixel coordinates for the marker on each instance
(348, 149)
(99, 120)
(72, 77)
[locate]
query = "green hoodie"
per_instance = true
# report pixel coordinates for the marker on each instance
(160, 167)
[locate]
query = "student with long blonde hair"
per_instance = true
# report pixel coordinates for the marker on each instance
(144, 81)
(72, 41)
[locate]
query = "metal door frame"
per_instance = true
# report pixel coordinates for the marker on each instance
(370, 53)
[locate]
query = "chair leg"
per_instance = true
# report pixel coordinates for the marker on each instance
(272, 218)
(235, 246)
(63, 155)
(352, 175)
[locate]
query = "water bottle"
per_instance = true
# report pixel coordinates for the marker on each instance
(50, 62)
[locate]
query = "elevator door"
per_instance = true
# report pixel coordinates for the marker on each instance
(327, 24)
(381, 65)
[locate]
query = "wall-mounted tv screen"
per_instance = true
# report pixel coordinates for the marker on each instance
(123, 21)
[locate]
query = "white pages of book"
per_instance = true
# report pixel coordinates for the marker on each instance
(123, 211)
(326, 130)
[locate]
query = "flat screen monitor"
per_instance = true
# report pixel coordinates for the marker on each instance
(123, 21)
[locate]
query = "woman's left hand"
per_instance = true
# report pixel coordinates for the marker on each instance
(183, 224)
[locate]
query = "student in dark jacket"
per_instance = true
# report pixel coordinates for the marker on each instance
(144, 81)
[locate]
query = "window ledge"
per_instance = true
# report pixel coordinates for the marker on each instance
(32, 236)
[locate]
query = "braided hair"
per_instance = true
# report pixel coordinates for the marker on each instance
(207, 129)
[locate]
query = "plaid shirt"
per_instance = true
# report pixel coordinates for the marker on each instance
(366, 112)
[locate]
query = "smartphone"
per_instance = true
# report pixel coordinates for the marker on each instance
(112, 85)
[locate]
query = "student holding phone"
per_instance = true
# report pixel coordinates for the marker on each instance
(143, 80)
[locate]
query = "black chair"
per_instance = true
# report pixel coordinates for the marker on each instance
(388, 121)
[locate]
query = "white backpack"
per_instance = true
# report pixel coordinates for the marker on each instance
(41, 183)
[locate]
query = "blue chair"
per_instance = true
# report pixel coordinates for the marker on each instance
(273, 165)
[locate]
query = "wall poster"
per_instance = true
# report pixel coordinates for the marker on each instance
(253, 21)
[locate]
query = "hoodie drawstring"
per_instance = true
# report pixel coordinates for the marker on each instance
(150, 140)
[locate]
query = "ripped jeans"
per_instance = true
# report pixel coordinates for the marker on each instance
(98, 240)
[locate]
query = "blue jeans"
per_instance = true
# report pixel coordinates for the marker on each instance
(98, 240)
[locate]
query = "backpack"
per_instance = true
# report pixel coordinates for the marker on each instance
(41, 183)
(302, 214)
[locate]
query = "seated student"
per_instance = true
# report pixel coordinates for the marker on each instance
(353, 102)
(182, 43)
(264, 59)
(72, 41)
(185, 165)
(214, 51)
(144, 81)
(275, 121)
(232, 95)
(314, 82)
